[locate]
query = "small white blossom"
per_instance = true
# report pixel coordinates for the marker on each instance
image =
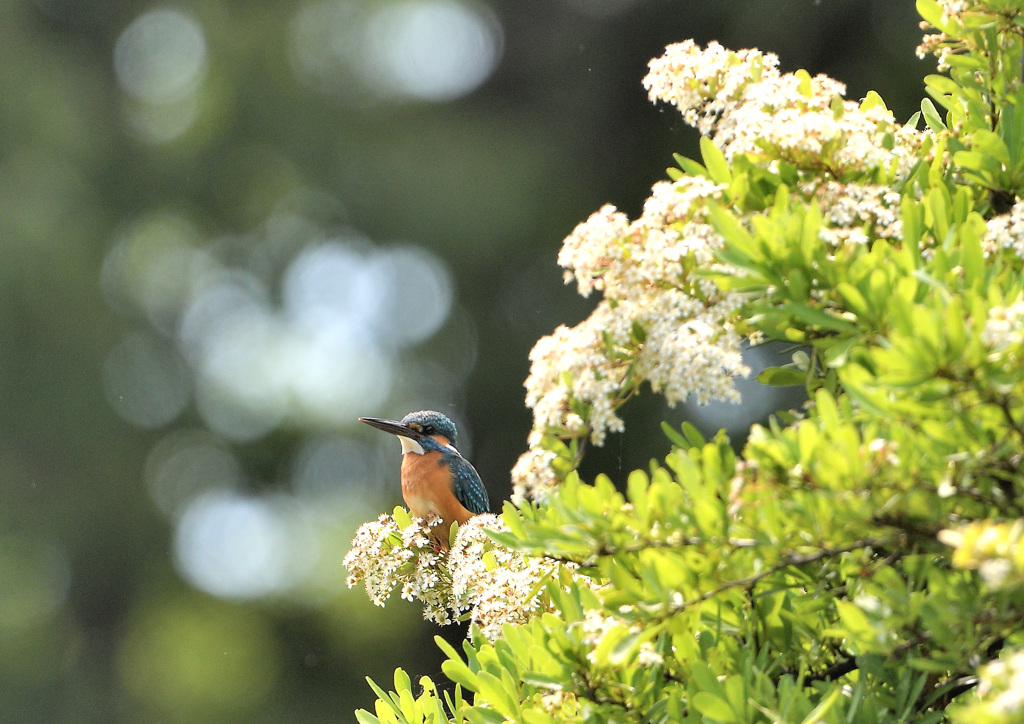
(1004, 328)
(939, 44)
(1000, 690)
(856, 213)
(647, 656)
(1006, 231)
(532, 476)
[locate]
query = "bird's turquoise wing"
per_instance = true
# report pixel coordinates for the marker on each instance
(469, 489)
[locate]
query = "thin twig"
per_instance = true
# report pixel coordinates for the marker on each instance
(794, 560)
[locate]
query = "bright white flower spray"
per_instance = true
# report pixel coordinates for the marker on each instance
(663, 320)
(488, 583)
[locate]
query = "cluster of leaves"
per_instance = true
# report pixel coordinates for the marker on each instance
(861, 559)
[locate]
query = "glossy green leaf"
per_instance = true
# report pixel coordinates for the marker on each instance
(714, 160)
(714, 708)
(931, 116)
(782, 377)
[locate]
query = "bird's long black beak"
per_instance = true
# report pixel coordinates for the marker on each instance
(392, 426)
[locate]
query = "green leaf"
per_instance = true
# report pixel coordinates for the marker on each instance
(737, 237)
(447, 648)
(402, 518)
(837, 352)
(853, 299)
(383, 698)
(365, 717)
(713, 707)
(480, 715)
(693, 434)
(983, 164)
(931, 11)
(542, 681)
(457, 670)
(782, 377)
(972, 256)
(872, 100)
(836, 106)
(940, 206)
(691, 167)
(637, 485)
(714, 160)
(804, 78)
(818, 713)
(627, 647)
(673, 436)
(706, 679)
(931, 116)
(818, 318)
(497, 694)
(402, 681)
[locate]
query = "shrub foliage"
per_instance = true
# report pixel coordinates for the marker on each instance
(860, 560)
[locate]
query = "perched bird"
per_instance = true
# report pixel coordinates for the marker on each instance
(436, 479)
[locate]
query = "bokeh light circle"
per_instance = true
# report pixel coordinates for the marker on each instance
(146, 382)
(187, 464)
(154, 266)
(36, 579)
(332, 468)
(161, 56)
(419, 294)
(434, 50)
(429, 50)
(234, 546)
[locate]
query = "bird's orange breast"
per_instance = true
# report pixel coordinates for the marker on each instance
(427, 489)
(424, 482)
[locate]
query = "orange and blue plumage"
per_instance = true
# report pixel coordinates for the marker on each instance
(436, 479)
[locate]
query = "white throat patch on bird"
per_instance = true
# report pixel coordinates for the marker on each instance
(410, 446)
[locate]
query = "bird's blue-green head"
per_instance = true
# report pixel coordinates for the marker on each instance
(430, 423)
(417, 425)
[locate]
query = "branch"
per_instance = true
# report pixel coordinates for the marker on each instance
(836, 671)
(606, 549)
(1003, 403)
(609, 550)
(796, 559)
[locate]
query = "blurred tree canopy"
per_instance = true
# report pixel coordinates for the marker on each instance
(227, 229)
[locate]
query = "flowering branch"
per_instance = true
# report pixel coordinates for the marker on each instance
(491, 584)
(663, 319)
(723, 585)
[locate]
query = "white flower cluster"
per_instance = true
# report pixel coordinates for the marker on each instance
(995, 549)
(937, 44)
(657, 323)
(385, 557)
(1001, 688)
(742, 101)
(495, 584)
(855, 213)
(660, 321)
(1004, 328)
(1006, 231)
(705, 84)
(533, 475)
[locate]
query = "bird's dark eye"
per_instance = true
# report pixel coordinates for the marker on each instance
(428, 429)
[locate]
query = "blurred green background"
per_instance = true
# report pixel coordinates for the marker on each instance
(228, 228)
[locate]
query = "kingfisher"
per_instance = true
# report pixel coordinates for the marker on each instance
(436, 479)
